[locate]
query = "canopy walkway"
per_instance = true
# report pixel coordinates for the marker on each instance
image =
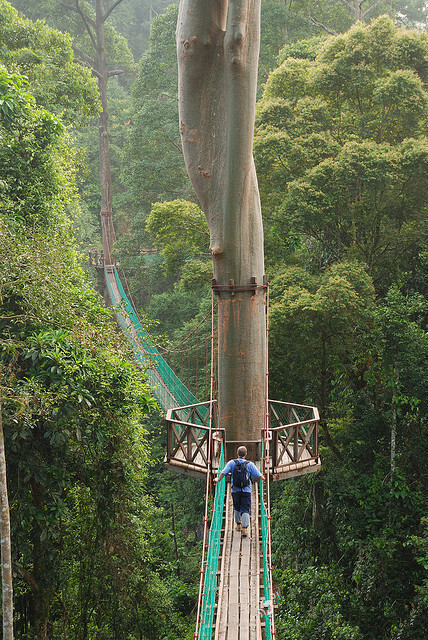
(167, 388)
(236, 592)
(243, 608)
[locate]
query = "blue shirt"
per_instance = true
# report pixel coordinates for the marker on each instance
(252, 471)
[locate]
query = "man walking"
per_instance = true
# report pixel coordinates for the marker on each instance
(242, 471)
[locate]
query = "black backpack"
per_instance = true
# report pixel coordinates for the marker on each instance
(239, 475)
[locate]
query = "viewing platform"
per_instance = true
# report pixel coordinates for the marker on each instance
(293, 439)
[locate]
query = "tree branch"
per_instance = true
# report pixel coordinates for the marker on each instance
(78, 9)
(112, 9)
(319, 24)
(115, 72)
(94, 71)
(90, 61)
(20, 315)
(88, 21)
(349, 5)
(363, 15)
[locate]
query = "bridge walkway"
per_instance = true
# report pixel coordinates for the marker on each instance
(236, 591)
(240, 590)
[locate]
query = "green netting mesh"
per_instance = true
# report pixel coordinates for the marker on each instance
(211, 565)
(167, 387)
(266, 582)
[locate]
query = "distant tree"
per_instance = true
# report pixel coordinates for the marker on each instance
(132, 20)
(98, 63)
(317, 322)
(336, 16)
(181, 233)
(153, 167)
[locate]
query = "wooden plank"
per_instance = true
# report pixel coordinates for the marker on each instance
(233, 592)
(244, 585)
(233, 600)
(244, 589)
(312, 467)
(186, 469)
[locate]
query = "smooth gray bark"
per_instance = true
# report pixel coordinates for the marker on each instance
(5, 544)
(355, 7)
(218, 47)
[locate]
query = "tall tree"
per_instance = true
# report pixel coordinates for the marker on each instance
(218, 46)
(100, 68)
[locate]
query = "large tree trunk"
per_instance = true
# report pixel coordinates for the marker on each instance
(99, 66)
(218, 47)
(105, 170)
(6, 553)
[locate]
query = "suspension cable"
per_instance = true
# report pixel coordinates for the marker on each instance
(209, 465)
(175, 348)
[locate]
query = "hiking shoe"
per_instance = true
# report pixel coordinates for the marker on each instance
(244, 531)
(238, 526)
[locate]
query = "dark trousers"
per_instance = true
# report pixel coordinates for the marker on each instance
(241, 506)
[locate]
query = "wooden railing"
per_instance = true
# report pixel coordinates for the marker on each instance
(192, 439)
(293, 432)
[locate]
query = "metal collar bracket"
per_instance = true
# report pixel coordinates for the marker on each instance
(233, 288)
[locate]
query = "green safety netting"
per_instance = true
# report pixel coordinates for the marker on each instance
(168, 389)
(211, 563)
(268, 602)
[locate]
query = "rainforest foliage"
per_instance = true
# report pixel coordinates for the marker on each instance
(106, 545)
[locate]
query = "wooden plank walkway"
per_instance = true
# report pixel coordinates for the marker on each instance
(238, 604)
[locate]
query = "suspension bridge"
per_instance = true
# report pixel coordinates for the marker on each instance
(236, 595)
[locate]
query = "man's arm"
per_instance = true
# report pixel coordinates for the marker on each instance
(254, 472)
(219, 478)
(228, 469)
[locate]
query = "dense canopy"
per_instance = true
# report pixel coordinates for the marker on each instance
(104, 543)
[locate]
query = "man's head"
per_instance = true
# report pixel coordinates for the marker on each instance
(242, 452)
